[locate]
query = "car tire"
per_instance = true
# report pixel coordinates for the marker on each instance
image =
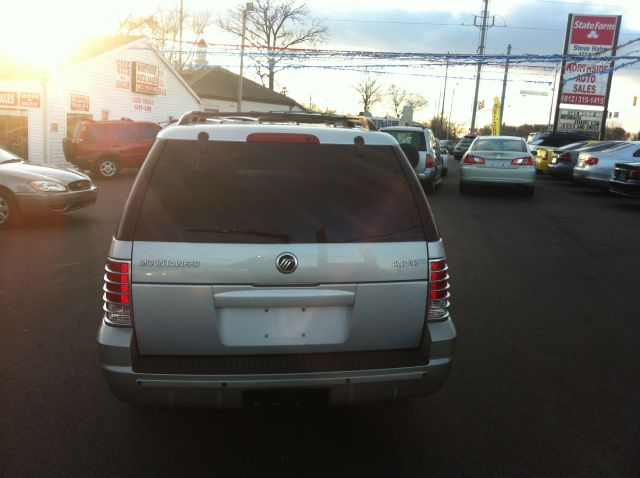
(430, 187)
(529, 190)
(8, 209)
(107, 168)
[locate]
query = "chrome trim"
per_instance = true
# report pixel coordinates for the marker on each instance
(286, 263)
(127, 311)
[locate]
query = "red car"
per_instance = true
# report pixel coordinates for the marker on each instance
(105, 147)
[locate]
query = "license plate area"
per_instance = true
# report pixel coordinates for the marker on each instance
(275, 326)
(285, 398)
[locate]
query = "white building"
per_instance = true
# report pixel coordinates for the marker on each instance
(108, 78)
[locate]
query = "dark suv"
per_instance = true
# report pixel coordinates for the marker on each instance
(463, 146)
(556, 139)
(105, 147)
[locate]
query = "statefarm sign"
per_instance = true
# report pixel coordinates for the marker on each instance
(585, 81)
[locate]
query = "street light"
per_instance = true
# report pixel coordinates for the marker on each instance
(248, 8)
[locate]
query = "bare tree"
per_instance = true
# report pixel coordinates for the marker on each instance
(416, 101)
(397, 98)
(273, 26)
(163, 28)
(370, 92)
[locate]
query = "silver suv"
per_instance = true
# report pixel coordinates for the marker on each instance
(430, 168)
(256, 263)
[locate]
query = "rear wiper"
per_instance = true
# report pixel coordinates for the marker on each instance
(241, 232)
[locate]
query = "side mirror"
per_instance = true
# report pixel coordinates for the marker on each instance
(411, 153)
(534, 152)
(444, 150)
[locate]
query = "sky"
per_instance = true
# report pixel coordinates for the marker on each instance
(44, 31)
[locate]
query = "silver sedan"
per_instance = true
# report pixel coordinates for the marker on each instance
(498, 160)
(596, 169)
(31, 188)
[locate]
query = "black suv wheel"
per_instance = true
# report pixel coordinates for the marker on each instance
(107, 168)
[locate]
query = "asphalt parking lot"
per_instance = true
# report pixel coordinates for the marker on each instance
(545, 382)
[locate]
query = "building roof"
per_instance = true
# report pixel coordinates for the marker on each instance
(98, 45)
(12, 68)
(218, 83)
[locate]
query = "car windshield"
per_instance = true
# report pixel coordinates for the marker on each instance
(602, 146)
(499, 144)
(571, 146)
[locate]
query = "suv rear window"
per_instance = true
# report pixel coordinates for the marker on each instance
(93, 132)
(240, 192)
(414, 138)
(498, 144)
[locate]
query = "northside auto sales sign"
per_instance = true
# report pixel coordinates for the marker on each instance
(584, 81)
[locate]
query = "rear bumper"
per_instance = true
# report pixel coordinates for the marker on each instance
(585, 177)
(625, 188)
(560, 170)
(228, 390)
(426, 175)
(523, 176)
(44, 203)
(542, 164)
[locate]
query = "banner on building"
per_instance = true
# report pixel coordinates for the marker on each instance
(79, 102)
(145, 78)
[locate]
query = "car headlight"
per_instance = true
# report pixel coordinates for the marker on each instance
(47, 186)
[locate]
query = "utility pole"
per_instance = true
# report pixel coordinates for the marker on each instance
(444, 94)
(553, 90)
(248, 8)
(504, 83)
(180, 35)
(483, 31)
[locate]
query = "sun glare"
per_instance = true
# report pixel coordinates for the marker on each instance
(54, 29)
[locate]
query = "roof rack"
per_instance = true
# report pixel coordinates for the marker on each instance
(344, 121)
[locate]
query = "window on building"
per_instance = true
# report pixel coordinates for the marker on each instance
(14, 131)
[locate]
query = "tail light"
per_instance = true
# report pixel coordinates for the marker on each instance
(634, 174)
(429, 161)
(289, 138)
(117, 292)
(471, 159)
(438, 305)
(591, 161)
(564, 157)
(526, 161)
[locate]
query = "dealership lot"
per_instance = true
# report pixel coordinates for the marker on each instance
(545, 380)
